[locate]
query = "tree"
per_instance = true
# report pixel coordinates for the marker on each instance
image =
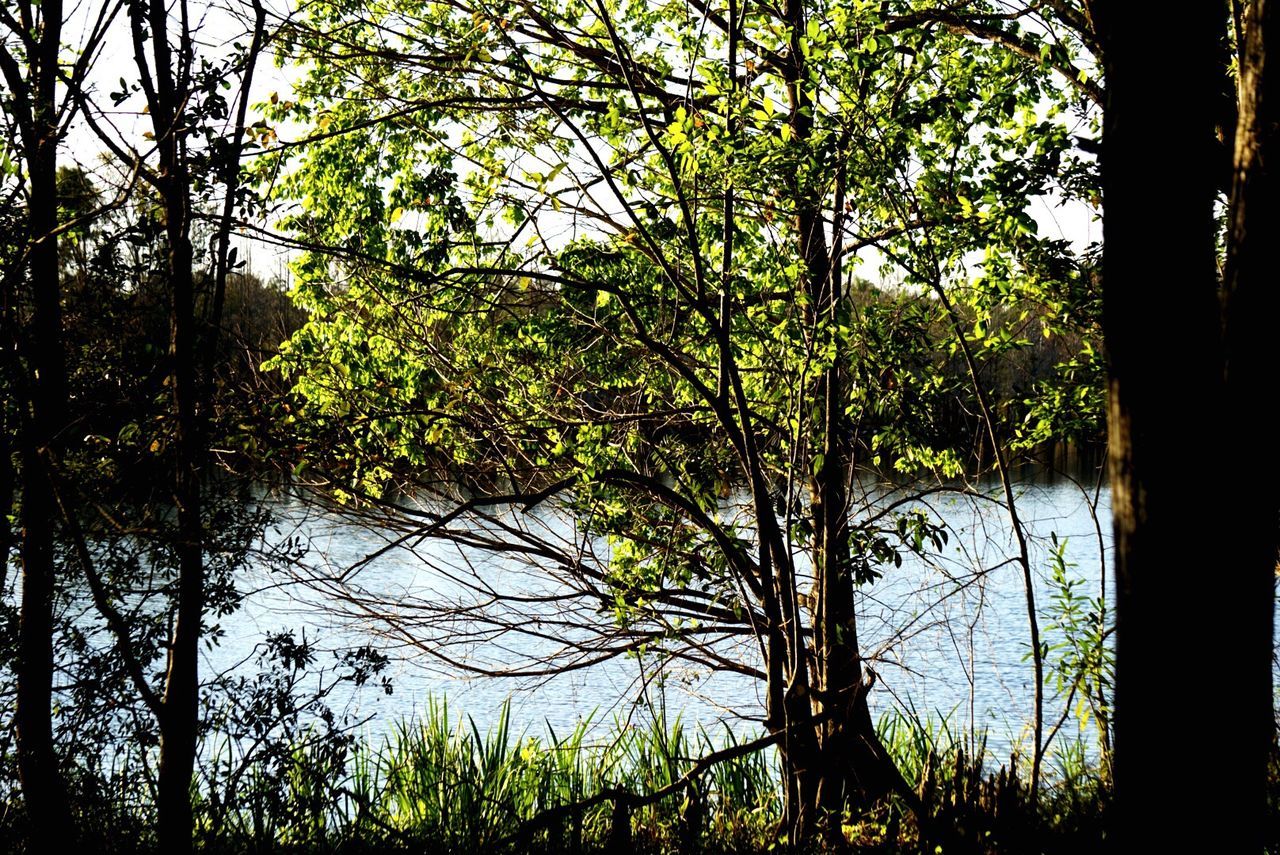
(603, 257)
(1250, 366)
(181, 90)
(32, 63)
(194, 154)
(1206, 390)
(1202, 388)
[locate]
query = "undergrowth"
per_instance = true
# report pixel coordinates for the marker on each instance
(439, 784)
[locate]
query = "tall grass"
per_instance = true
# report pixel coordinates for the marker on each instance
(440, 784)
(978, 804)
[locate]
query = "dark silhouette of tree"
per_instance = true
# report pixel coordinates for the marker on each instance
(1206, 385)
(35, 372)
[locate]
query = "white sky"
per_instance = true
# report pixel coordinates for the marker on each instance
(223, 22)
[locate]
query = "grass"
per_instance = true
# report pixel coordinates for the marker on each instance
(977, 808)
(439, 784)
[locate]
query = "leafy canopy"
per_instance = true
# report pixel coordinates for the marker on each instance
(570, 246)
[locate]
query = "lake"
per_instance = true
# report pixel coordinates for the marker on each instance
(947, 636)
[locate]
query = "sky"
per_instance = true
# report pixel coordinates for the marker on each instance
(222, 24)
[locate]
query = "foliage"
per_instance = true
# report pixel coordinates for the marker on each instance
(686, 274)
(441, 783)
(578, 256)
(690, 277)
(462, 278)
(116, 550)
(1081, 658)
(978, 809)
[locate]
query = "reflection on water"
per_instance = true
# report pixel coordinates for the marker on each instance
(945, 636)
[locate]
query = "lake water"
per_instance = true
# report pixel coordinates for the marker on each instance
(947, 636)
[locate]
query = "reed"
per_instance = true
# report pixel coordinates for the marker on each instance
(439, 783)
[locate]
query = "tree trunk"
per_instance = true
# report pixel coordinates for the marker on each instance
(841, 766)
(1252, 368)
(180, 708)
(8, 481)
(179, 713)
(42, 784)
(1177, 591)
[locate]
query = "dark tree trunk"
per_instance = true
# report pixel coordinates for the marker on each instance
(835, 763)
(43, 786)
(840, 765)
(168, 93)
(8, 480)
(1184, 586)
(1252, 376)
(180, 708)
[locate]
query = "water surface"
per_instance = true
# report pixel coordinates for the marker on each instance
(947, 635)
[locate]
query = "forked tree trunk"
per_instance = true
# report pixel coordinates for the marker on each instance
(838, 765)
